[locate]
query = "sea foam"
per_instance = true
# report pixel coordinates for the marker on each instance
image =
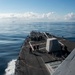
(10, 70)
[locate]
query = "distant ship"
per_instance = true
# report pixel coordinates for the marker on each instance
(42, 53)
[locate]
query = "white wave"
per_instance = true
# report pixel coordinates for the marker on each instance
(10, 70)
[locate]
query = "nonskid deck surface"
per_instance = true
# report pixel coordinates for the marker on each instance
(34, 63)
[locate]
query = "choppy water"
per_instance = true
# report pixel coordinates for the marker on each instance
(12, 37)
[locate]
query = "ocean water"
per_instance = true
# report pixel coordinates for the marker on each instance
(13, 35)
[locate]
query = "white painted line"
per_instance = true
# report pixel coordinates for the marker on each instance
(31, 46)
(46, 35)
(50, 69)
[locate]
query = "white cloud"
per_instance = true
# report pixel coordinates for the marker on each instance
(35, 17)
(70, 16)
(27, 16)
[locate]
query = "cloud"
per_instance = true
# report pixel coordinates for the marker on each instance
(28, 16)
(70, 16)
(35, 17)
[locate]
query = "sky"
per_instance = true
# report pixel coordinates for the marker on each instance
(37, 10)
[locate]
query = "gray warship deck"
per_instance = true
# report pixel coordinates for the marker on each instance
(33, 63)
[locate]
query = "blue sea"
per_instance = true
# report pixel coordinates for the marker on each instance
(12, 36)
